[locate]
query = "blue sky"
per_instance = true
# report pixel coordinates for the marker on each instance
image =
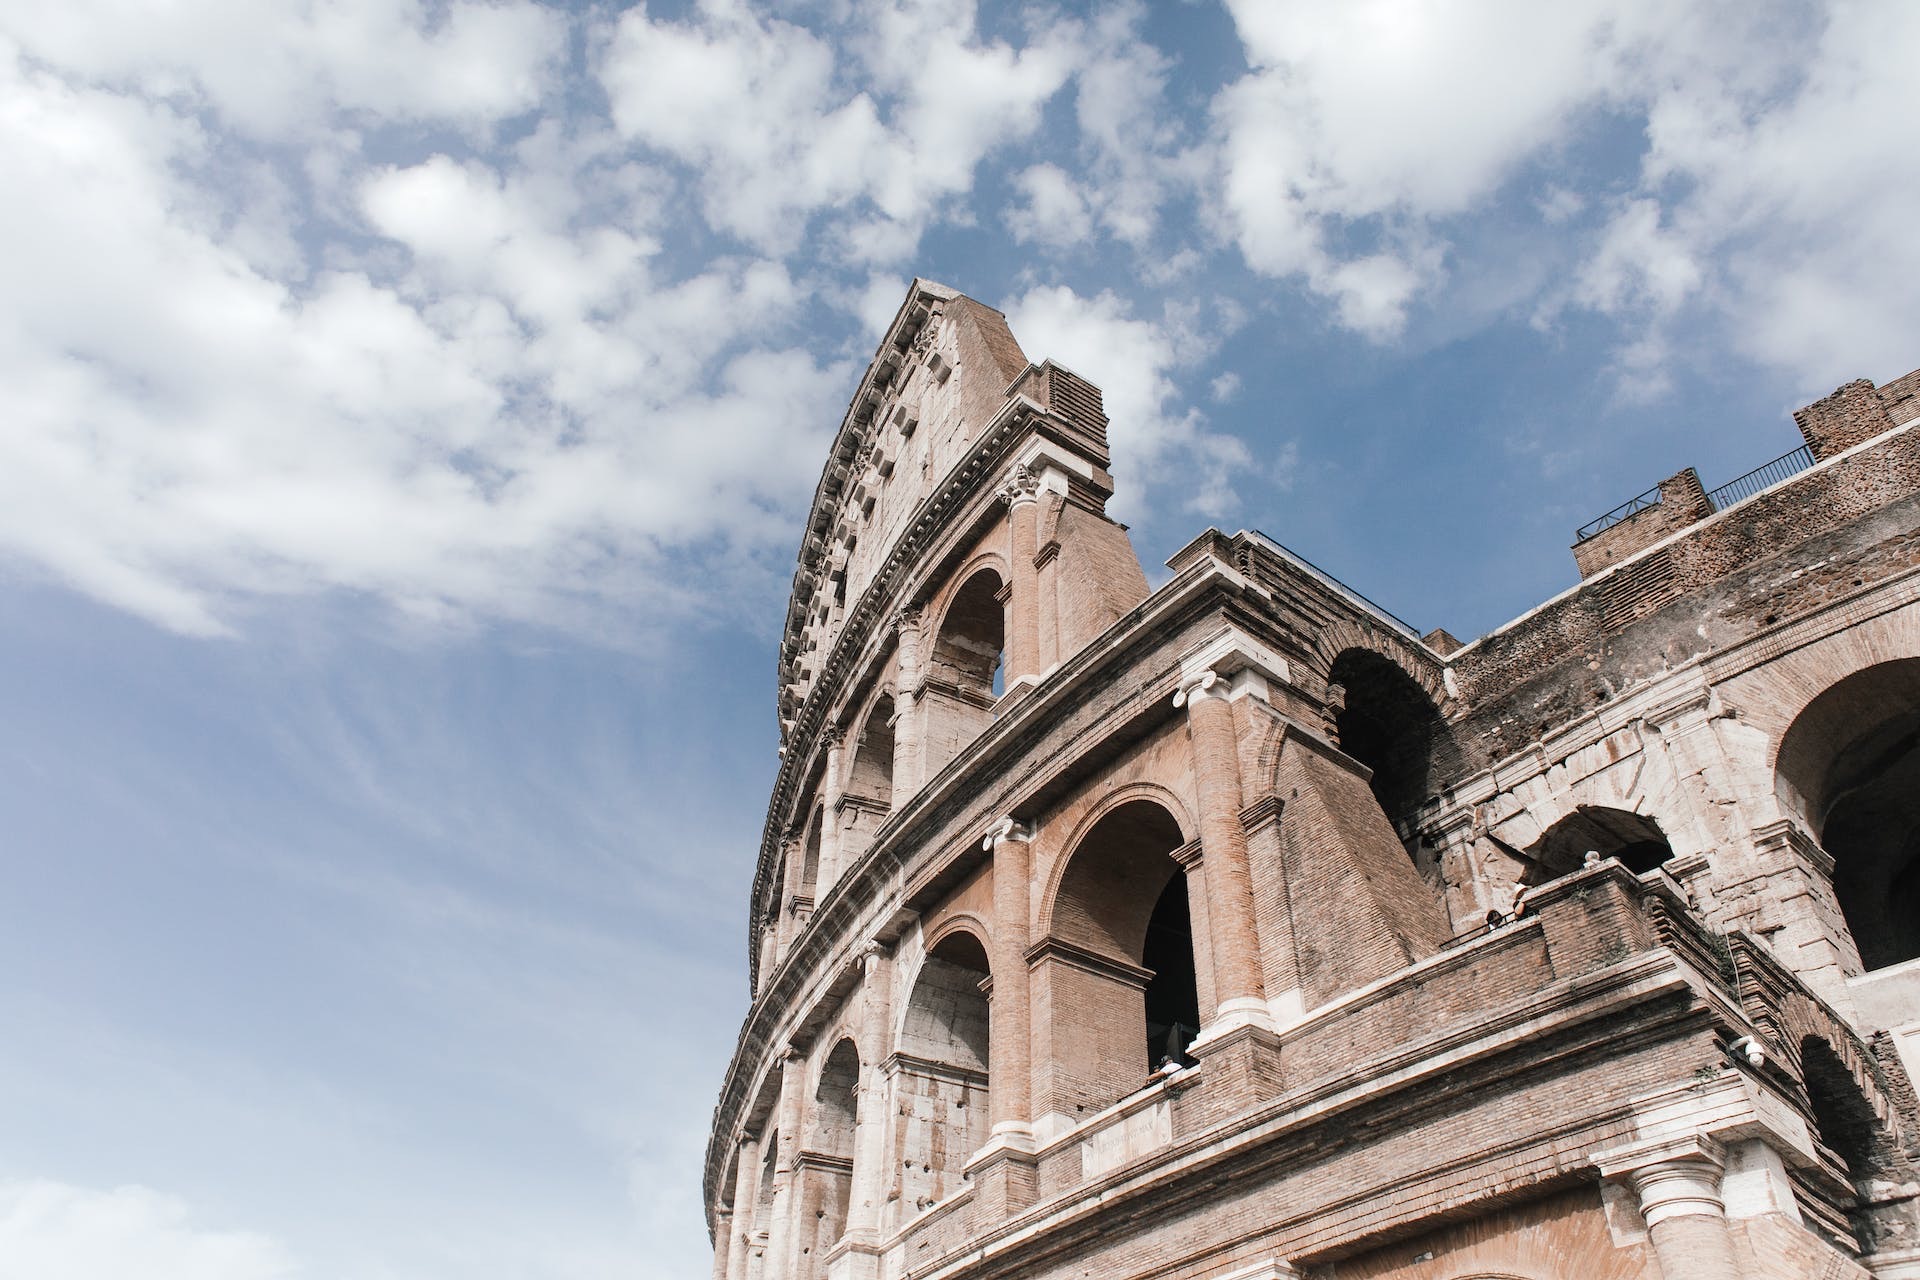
(407, 413)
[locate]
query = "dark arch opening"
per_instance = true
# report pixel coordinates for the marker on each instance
(1849, 766)
(1172, 994)
(1634, 838)
(1124, 898)
(1390, 724)
(871, 777)
(970, 651)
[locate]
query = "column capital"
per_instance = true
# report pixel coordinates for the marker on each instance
(909, 619)
(1198, 685)
(1021, 485)
(1006, 829)
(1674, 1177)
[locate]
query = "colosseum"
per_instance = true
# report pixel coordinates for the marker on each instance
(1234, 930)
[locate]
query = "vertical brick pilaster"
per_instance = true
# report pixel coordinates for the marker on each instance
(1023, 613)
(745, 1176)
(1010, 1026)
(908, 628)
(1234, 940)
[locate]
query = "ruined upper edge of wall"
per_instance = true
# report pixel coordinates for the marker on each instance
(1854, 414)
(943, 372)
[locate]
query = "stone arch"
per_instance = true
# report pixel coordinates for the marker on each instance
(1388, 720)
(939, 1073)
(1344, 636)
(1848, 768)
(870, 775)
(1635, 838)
(969, 639)
(959, 922)
(1117, 899)
(827, 1172)
(963, 660)
(1127, 793)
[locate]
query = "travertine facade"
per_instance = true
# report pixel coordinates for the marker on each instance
(1234, 930)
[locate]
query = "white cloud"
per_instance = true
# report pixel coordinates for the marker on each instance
(779, 130)
(275, 67)
(1133, 361)
(52, 1231)
(1773, 190)
(518, 412)
(1055, 213)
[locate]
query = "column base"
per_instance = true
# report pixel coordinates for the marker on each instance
(856, 1256)
(1005, 1175)
(1239, 1068)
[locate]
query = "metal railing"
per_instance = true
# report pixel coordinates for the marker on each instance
(1763, 477)
(1739, 489)
(1632, 506)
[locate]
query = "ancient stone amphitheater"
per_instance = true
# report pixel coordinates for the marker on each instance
(1234, 929)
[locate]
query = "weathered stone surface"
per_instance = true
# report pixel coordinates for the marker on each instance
(1235, 930)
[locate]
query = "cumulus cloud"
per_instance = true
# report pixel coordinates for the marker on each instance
(275, 67)
(1054, 212)
(53, 1231)
(505, 405)
(1770, 194)
(778, 131)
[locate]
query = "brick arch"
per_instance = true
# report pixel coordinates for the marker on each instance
(1801, 1018)
(960, 922)
(1155, 792)
(940, 601)
(1342, 636)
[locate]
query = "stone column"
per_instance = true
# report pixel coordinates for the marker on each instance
(1009, 1029)
(781, 1235)
(908, 626)
(746, 1187)
(722, 1242)
(1678, 1185)
(857, 1255)
(1233, 933)
(830, 792)
(870, 1120)
(1021, 494)
(1005, 1172)
(792, 887)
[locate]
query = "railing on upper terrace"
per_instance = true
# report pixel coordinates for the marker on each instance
(1739, 489)
(1762, 477)
(1632, 506)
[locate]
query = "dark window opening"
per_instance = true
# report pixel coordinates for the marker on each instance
(1389, 724)
(1633, 838)
(1172, 995)
(1849, 765)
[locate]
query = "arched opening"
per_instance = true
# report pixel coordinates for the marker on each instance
(758, 1265)
(868, 796)
(941, 1076)
(1849, 767)
(871, 777)
(1386, 721)
(1172, 997)
(810, 852)
(827, 1164)
(1116, 973)
(964, 676)
(1850, 1130)
(1633, 838)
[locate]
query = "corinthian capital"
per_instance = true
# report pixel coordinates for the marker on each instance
(1021, 485)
